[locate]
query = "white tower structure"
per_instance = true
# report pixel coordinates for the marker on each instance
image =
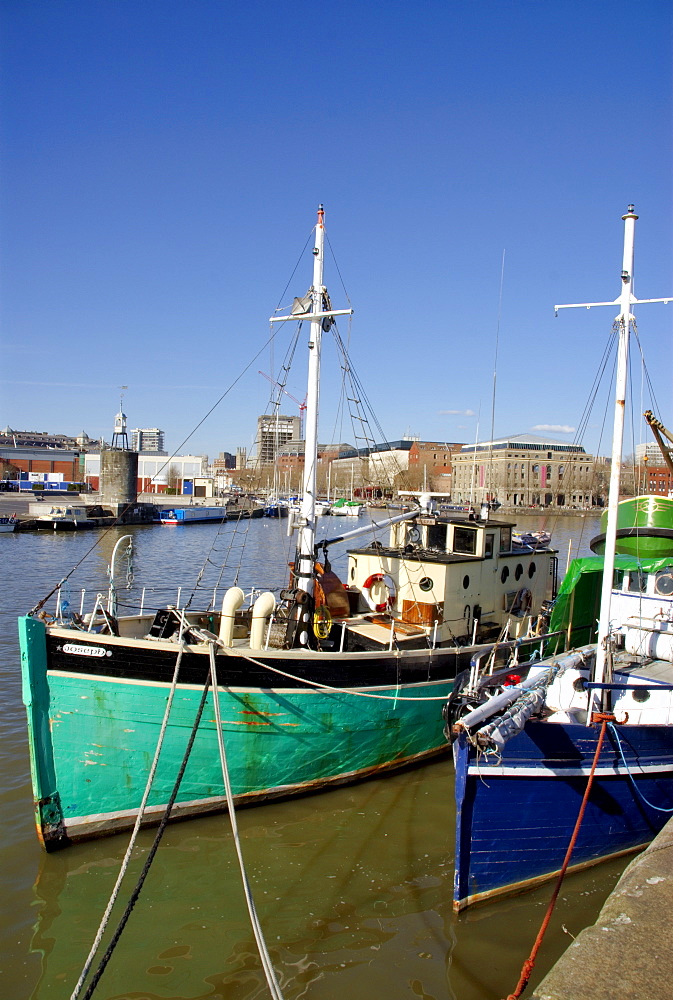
(119, 437)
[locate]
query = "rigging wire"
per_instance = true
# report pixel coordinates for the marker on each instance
(645, 369)
(117, 520)
(495, 376)
(588, 410)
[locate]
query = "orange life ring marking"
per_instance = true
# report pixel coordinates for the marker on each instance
(385, 580)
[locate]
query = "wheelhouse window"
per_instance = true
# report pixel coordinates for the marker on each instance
(488, 546)
(637, 582)
(437, 537)
(465, 541)
(505, 539)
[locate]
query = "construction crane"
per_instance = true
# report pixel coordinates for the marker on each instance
(658, 430)
(302, 406)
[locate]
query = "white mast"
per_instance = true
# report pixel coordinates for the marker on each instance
(625, 301)
(306, 522)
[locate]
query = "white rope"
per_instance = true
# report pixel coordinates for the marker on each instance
(136, 829)
(254, 919)
(327, 687)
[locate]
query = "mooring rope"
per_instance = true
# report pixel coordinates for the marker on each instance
(527, 968)
(638, 792)
(153, 850)
(254, 919)
(328, 687)
(134, 834)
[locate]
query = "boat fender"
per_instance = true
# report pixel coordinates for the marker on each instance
(264, 606)
(231, 602)
(379, 580)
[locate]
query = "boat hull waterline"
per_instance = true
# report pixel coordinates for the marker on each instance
(98, 732)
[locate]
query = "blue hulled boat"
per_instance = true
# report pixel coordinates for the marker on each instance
(191, 515)
(526, 746)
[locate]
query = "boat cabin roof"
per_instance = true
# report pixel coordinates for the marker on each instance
(448, 538)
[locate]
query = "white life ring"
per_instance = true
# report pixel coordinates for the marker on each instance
(384, 580)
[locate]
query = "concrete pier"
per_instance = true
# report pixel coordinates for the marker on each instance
(627, 953)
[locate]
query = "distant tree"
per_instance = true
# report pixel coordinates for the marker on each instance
(173, 477)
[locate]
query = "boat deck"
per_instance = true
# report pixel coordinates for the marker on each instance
(653, 670)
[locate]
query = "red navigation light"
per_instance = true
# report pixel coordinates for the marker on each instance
(512, 679)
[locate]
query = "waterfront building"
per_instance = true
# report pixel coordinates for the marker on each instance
(431, 464)
(42, 463)
(370, 471)
(156, 473)
(10, 438)
(527, 470)
(657, 479)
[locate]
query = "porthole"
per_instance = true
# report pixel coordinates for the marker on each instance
(641, 696)
(466, 582)
(531, 571)
(426, 583)
(505, 573)
(352, 572)
(579, 684)
(518, 572)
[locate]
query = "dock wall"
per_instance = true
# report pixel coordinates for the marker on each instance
(627, 952)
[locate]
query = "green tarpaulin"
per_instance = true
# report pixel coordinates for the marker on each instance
(578, 601)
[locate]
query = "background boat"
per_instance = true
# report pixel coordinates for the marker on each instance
(191, 515)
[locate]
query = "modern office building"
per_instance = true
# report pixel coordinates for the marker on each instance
(148, 439)
(651, 450)
(273, 431)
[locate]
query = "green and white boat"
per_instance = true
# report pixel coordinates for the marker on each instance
(644, 528)
(322, 683)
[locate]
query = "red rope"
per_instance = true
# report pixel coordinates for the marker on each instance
(527, 968)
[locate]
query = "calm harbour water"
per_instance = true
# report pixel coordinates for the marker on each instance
(353, 886)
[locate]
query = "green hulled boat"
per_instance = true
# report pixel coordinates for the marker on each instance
(644, 528)
(137, 716)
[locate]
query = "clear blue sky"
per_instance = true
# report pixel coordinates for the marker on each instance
(162, 162)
